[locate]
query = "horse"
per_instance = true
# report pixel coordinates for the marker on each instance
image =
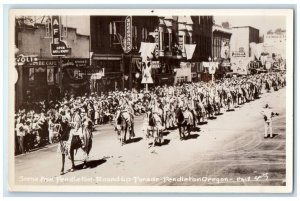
(184, 122)
(124, 124)
(74, 137)
(200, 112)
(209, 107)
(169, 116)
(155, 127)
(234, 98)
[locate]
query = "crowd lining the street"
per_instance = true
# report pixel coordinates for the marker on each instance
(33, 119)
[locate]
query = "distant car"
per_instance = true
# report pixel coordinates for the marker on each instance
(258, 71)
(231, 74)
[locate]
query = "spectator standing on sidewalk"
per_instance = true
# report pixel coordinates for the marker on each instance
(268, 115)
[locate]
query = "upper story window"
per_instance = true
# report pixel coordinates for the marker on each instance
(134, 37)
(116, 33)
(144, 34)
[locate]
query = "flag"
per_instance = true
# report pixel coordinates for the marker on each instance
(146, 50)
(189, 49)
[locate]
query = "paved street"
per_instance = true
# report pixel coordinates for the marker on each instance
(229, 150)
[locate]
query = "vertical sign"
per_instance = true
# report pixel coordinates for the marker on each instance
(156, 51)
(58, 47)
(128, 34)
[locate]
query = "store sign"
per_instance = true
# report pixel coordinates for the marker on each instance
(43, 63)
(75, 63)
(155, 64)
(22, 59)
(127, 47)
(90, 71)
(58, 47)
(240, 53)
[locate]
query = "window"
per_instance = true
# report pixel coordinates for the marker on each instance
(134, 37)
(167, 41)
(144, 34)
(187, 39)
(116, 33)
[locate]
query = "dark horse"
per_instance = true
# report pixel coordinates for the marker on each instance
(184, 124)
(124, 124)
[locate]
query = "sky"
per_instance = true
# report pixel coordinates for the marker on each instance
(263, 23)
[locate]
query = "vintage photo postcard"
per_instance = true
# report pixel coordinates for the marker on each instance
(151, 100)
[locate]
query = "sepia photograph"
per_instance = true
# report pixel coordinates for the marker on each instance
(151, 100)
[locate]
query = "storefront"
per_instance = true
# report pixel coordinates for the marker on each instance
(38, 80)
(74, 80)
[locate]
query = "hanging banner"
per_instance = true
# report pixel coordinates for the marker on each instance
(189, 49)
(212, 66)
(50, 75)
(147, 78)
(31, 74)
(225, 50)
(240, 65)
(146, 51)
(57, 47)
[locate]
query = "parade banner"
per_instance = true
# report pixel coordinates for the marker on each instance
(146, 51)
(256, 50)
(58, 47)
(189, 49)
(212, 66)
(50, 75)
(225, 50)
(240, 65)
(147, 78)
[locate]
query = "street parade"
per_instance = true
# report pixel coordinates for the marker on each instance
(149, 97)
(70, 121)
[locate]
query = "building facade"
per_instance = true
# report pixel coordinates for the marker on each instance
(40, 74)
(172, 35)
(241, 39)
(221, 43)
(275, 43)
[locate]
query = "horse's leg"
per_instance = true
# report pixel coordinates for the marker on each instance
(72, 158)
(179, 129)
(63, 158)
